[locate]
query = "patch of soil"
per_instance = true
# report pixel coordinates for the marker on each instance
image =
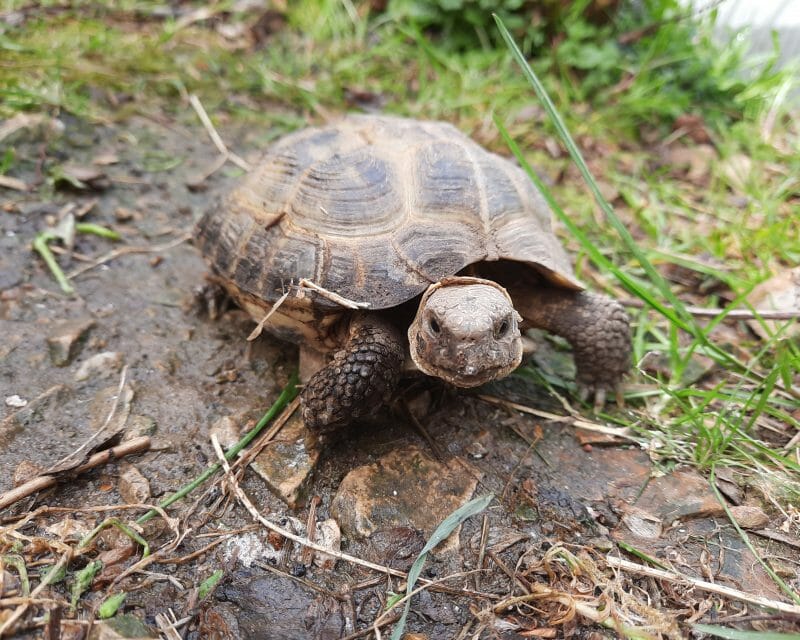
(184, 373)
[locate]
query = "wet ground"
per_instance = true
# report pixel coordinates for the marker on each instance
(130, 326)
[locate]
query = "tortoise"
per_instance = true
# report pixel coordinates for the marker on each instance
(448, 250)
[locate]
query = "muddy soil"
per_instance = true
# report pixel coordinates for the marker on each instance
(184, 373)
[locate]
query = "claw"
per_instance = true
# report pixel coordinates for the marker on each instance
(599, 398)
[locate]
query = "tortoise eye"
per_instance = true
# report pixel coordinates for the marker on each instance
(434, 325)
(502, 329)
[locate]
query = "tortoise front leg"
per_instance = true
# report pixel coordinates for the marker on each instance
(595, 325)
(359, 379)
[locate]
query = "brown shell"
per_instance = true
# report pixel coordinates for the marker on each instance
(375, 209)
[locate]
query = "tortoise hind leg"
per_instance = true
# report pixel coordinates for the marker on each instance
(359, 379)
(595, 325)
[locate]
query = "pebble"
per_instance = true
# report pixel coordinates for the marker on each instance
(65, 340)
(16, 402)
(404, 488)
(227, 431)
(748, 517)
(288, 463)
(133, 486)
(99, 365)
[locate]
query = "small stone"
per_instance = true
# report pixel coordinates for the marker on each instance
(679, 495)
(138, 426)
(748, 517)
(66, 338)
(405, 488)
(104, 402)
(16, 402)
(642, 524)
(288, 463)
(133, 486)
(227, 431)
(123, 214)
(329, 536)
(25, 471)
(99, 365)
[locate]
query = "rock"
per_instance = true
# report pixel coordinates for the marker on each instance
(286, 465)
(748, 517)
(329, 536)
(138, 426)
(102, 405)
(99, 365)
(65, 340)
(227, 431)
(405, 488)
(15, 401)
(133, 486)
(266, 606)
(121, 626)
(677, 496)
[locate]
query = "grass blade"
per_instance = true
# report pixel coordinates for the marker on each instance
(737, 634)
(676, 312)
(447, 527)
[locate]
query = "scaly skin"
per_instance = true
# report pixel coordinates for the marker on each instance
(359, 379)
(595, 325)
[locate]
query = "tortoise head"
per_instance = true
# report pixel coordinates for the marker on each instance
(466, 332)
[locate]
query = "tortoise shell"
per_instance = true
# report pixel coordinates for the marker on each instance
(375, 209)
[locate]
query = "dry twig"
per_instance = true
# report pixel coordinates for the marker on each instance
(215, 137)
(709, 587)
(136, 445)
(575, 422)
(305, 283)
(122, 251)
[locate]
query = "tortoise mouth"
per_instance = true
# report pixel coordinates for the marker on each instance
(459, 378)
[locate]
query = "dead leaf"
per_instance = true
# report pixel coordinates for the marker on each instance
(103, 159)
(749, 517)
(737, 169)
(80, 177)
(8, 182)
(779, 293)
(693, 162)
(694, 126)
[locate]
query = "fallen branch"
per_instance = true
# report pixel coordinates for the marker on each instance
(136, 445)
(709, 587)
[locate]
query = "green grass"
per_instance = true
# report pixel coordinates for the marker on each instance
(719, 395)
